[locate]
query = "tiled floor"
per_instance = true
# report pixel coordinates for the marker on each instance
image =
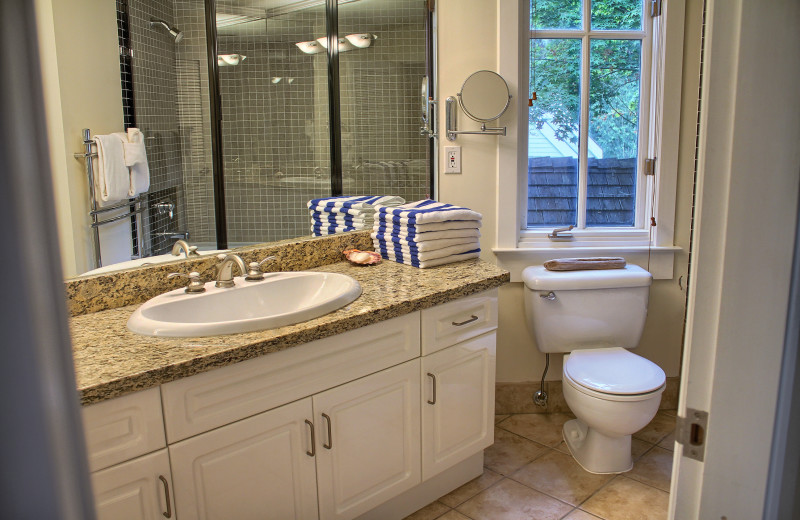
(529, 474)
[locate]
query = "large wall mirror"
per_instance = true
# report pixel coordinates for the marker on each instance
(288, 132)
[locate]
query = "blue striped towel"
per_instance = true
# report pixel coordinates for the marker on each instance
(400, 228)
(365, 202)
(415, 254)
(424, 245)
(339, 210)
(319, 230)
(425, 212)
(340, 220)
(422, 264)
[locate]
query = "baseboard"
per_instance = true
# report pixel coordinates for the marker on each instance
(518, 397)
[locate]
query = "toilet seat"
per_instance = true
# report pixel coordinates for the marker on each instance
(613, 373)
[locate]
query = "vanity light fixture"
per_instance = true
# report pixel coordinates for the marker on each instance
(361, 40)
(347, 43)
(229, 60)
(311, 47)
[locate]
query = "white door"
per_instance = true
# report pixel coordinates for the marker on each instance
(742, 246)
(139, 489)
(368, 441)
(458, 403)
(257, 468)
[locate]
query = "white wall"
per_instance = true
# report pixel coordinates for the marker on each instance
(468, 36)
(79, 52)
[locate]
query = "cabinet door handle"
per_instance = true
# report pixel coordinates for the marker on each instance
(470, 320)
(330, 435)
(168, 514)
(313, 440)
(433, 401)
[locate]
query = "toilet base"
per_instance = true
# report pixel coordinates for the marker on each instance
(596, 452)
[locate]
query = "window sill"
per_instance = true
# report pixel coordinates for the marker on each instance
(661, 258)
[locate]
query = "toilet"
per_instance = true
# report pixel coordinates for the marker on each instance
(593, 316)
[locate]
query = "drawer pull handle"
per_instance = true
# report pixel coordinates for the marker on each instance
(168, 514)
(470, 320)
(313, 440)
(330, 435)
(433, 377)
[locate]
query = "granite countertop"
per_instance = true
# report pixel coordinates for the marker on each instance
(111, 361)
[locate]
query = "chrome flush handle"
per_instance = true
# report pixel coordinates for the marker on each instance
(549, 296)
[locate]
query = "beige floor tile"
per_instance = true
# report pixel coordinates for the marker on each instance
(626, 499)
(561, 477)
(453, 515)
(671, 412)
(661, 426)
(654, 469)
(429, 512)
(544, 428)
(498, 418)
(510, 500)
(581, 515)
(668, 442)
(510, 452)
(471, 488)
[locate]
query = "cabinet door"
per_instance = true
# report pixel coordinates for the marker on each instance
(458, 408)
(257, 468)
(135, 490)
(368, 441)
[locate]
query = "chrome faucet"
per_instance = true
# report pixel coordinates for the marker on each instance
(187, 249)
(225, 269)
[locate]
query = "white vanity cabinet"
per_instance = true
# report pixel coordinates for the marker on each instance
(372, 423)
(368, 441)
(261, 467)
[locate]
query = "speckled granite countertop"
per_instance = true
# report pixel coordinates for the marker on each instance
(110, 361)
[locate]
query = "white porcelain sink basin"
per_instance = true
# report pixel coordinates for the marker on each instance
(280, 299)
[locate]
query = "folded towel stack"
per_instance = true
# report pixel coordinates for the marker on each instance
(427, 233)
(121, 170)
(339, 214)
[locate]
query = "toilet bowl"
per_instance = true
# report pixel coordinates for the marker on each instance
(613, 393)
(593, 317)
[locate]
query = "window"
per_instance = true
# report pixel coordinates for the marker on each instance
(607, 78)
(586, 145)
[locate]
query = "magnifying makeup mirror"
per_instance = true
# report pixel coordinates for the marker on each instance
(484, 97)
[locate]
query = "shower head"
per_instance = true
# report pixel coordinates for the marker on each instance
(175, 33)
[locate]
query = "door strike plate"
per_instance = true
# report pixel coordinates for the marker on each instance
(691, 433)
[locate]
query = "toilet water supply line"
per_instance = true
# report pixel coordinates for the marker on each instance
(540, 397)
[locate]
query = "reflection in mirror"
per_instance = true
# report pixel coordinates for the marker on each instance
(484, 96)
(423, 97)
(276, 135)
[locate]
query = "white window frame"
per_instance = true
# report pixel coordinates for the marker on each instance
(517, 246)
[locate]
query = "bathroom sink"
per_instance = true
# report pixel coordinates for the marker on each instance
(280, 299)
(150, 260)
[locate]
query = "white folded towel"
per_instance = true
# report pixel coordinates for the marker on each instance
(422, 256)
(427, 211)
(424, 245)
(111, 178)
(136, 160)
(433, 263)
(361, 202)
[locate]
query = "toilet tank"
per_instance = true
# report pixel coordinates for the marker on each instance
(574, 310)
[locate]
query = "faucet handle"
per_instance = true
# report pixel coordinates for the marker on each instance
(196, 284)
(254, 272)
(193, 251)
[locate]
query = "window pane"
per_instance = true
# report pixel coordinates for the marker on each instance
(555, 14)
(617, 14)
(553, 123)
(613, 132)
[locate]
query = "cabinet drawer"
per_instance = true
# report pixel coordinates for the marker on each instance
(459, 320)
(123, 428)
(222, 396)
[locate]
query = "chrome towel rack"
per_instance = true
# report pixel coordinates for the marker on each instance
(134, 204)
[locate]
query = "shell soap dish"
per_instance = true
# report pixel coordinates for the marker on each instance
(358, 257)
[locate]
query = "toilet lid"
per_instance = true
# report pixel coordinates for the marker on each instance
(614, 371)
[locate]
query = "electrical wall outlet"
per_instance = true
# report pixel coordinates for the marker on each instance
(452, 159)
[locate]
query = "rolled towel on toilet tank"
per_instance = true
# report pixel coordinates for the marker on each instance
(580, 264)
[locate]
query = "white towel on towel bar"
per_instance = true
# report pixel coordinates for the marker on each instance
(136, 159)
(111, 177)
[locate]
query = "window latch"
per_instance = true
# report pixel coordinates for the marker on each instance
(563, 236)
(650, 166)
